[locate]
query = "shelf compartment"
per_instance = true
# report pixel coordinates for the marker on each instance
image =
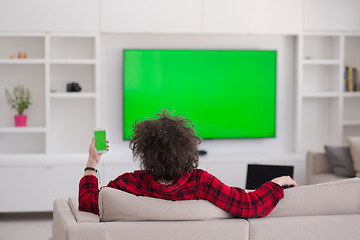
(320, 78)
(33, 46)
(61, 74)
(22, 142)
(351, 109)
(321, 47)
(352, 54)
(72, 47)
(31, 76)
(73, 133)
(319, 123)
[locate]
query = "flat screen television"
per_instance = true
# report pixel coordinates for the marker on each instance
(227, 94)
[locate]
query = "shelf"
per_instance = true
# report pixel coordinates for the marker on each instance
(22, 129)
(70, 95)
(321, 61)
(22, 61)
(320, 95)
(351, 94)
(351, 123)
(73, 61)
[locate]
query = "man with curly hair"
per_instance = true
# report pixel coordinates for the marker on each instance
(168, 154)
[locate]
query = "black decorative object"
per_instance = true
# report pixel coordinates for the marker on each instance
(73, 87)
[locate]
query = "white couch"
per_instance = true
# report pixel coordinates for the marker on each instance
(324, 211)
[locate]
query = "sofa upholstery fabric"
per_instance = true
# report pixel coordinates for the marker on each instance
(328, 211)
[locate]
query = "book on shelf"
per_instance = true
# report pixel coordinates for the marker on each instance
(351, 81)
(346, 72)
(356, 80)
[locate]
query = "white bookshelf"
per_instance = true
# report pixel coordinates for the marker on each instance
(53, 60)
(326, 113)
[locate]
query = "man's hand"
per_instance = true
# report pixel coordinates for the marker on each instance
(283, 181)
(94, 157)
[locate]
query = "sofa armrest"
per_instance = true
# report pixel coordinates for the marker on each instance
(316, 164)
(62, 218)
(65, 226)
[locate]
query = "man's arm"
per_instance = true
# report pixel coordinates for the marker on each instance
(88, 186)
(237, 202)
(89, 194)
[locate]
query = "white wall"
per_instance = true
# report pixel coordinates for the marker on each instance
(111, 84)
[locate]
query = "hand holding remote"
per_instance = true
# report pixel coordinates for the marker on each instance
(284, 181)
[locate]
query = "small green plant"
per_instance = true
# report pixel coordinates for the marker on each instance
(19, 100)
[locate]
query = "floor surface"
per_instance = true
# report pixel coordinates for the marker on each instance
(25, 226)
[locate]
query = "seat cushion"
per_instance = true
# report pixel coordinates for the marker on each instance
(117, 205)
(217, 229)
(331, 227)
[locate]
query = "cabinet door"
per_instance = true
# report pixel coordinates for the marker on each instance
(257, 16)
(27, 188)
(49, 15)
(332, 15)
(151, 16)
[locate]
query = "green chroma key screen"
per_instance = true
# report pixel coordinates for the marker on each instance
(100, 140)
(225, 93)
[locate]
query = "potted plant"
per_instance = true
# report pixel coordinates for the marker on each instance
(19, 100)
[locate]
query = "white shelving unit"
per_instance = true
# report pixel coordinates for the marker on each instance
(53, 60)
(326, 114)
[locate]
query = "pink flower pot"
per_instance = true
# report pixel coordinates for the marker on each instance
(20, 120)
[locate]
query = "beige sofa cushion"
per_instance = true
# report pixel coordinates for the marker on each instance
(354, 143)
(332, 198)
(117, 205)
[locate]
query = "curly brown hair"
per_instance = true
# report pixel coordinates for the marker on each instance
(166, 146)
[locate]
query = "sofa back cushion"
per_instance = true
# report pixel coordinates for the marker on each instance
(340, 161)
(117, 205)
(332, 198)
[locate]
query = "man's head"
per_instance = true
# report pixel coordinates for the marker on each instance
(166, 146)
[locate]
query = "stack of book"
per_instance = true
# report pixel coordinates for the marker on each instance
(351, 81)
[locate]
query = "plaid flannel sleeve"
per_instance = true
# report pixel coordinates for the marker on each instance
(89, 194)
(236, 201)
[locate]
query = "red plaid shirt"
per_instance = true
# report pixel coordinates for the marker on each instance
(197, 185)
